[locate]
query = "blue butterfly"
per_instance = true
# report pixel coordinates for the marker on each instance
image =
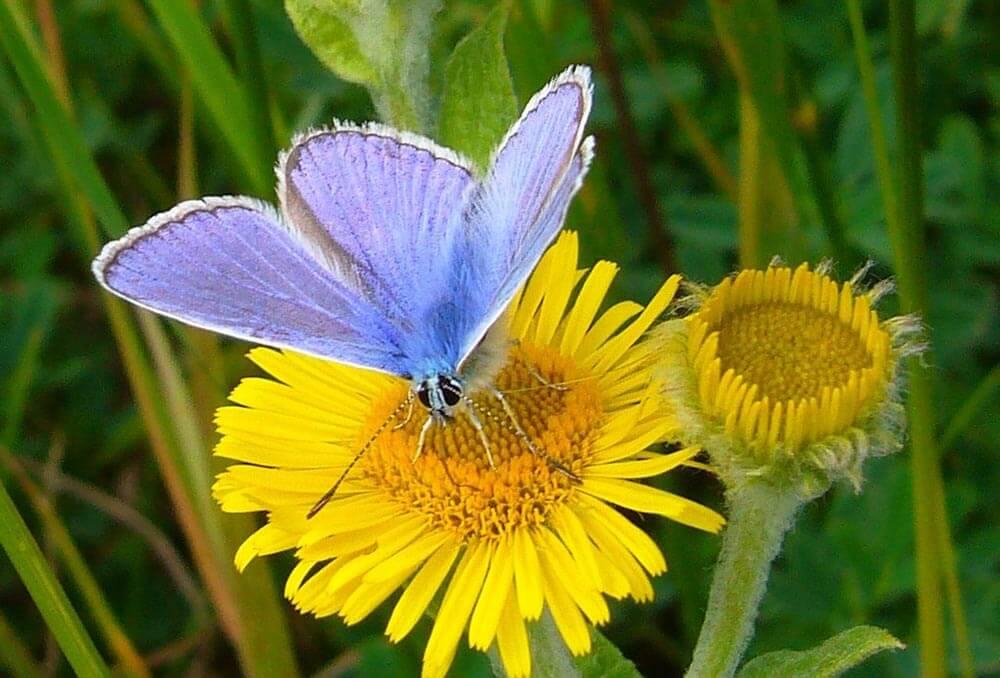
(388, 252)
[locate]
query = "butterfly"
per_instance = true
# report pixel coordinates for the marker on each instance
(387, 251)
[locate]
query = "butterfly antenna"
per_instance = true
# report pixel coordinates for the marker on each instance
(325, 499)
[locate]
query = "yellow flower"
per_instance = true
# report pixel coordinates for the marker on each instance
(502, 542)
(787, 372)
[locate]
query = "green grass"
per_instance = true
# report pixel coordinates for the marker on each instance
(807, 130)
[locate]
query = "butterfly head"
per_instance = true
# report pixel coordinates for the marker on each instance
(440, 394)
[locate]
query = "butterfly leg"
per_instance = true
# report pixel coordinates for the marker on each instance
(423, 437)
(540, 378)
(509, 411)
(478, 425)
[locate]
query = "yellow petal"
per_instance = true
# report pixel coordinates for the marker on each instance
(313, 592)
(271, 452)
(651, 500)
(531, 297)
(408, 558)
(571, 532)
(419, 593)
(620, 558)
(390, 542)
(561, 284)
(370, 595)
(268, 539)
(643, 468)
(272, 396)
(483, 626)
(258, 422)
(588, 301)
(615, 348)
(606, 325)
(567, 615)
(634, 539)
(459, 598)
(512, 640)
(638, 439)
(558, 564)
(613, 582)
(527, 575)
(297, 576)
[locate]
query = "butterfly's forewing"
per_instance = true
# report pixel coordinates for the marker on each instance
(519, 208)
(386, 204)
(229, 265)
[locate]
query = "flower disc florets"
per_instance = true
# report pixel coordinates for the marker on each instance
(786, 373)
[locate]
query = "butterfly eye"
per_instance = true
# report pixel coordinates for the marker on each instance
(423, 395)
(451, 389)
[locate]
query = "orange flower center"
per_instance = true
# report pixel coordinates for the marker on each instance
(452, 482)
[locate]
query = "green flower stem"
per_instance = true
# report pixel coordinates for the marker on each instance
(759, 515)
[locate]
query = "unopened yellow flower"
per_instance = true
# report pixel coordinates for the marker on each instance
(502, 542)
(784, 371)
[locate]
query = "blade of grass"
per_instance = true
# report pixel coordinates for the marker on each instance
(752, 37)
(224, 97)
(968, 410)
(159, 544)
(53, 46)
(904, 221)
(243, 32)
(133, 16)
(19, 386)
(949, 574)
(909, 250)
(75, 169)
(265, 642)
(24, 53)
(76, 566)
(59, 615)
(255, 588)
(656, 223)
(773, 195)
(750, 190)
(14, 655)
(703, 147)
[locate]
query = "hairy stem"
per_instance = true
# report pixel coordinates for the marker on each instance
(759, 515)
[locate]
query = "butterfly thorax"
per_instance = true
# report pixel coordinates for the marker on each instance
(440, 394)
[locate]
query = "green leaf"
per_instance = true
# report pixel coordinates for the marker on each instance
(478, 102)
(836, 655)
(382, 44)
(605, 660)
(322, 24)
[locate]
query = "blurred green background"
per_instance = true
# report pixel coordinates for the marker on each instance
(111, 110)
